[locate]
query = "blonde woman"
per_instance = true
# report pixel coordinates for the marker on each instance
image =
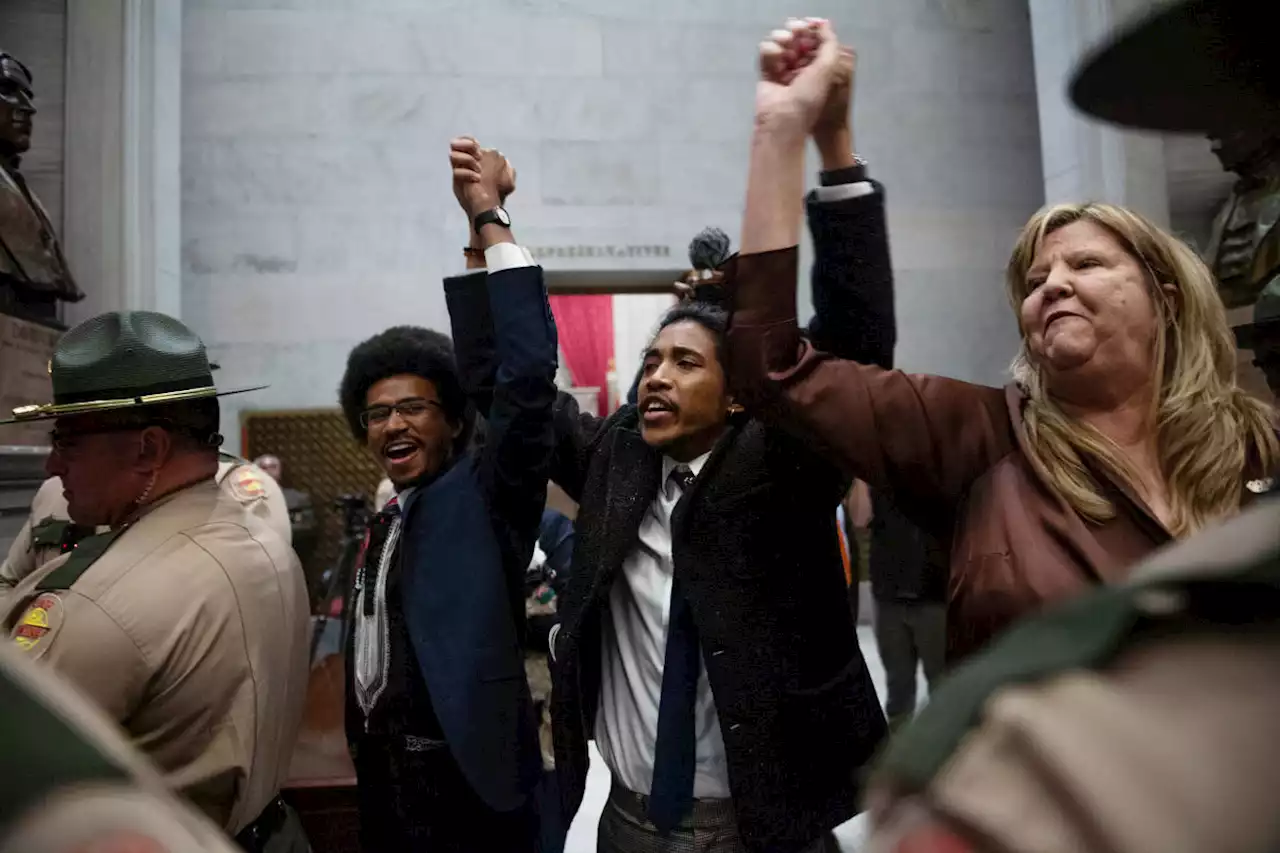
(1124, 427)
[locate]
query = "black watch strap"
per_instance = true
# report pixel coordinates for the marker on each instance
(849, 175)
(492, 215)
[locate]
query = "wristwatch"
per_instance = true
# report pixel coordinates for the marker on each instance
(848, 175)
(493, 215)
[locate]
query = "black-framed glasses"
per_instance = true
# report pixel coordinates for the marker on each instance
(414, 408)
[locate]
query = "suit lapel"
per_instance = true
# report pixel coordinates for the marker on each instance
(8, 179)
(720, 474)
(632, 483)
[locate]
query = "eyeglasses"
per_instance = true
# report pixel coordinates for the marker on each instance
(415, 408)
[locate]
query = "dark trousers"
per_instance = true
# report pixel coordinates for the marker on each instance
(711, 827)
(277, 830)
(909, 633)
(419, 800)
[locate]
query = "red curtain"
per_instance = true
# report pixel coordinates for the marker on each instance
(585, 327)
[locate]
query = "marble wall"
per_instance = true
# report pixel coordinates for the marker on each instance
(316, 207)
(1086, 160)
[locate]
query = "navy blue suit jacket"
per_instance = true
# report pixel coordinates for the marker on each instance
(465, 544)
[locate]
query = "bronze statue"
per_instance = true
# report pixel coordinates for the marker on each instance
(33, 272)
(1245, 249)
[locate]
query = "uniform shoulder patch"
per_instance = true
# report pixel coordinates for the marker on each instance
(35, 630)
(246, 484)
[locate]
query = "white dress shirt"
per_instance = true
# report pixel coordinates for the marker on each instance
(634, 650)
(504, 256)
(842, 192)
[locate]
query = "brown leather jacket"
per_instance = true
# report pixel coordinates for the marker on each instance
(952, 454)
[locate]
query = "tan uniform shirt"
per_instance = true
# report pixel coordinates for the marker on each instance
(24, 554)
(252, 487)
(190, 630)
(126, 802)
(259, 492)
(1172, 748)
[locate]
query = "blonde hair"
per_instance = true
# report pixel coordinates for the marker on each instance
(1209, 431)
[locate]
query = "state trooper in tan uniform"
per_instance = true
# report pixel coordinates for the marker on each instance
(99, 793)
(1143, 717)
(186, 622)
(49, 530)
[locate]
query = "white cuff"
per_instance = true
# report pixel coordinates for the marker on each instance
(506, 256)
(551, 640)
(843, 192)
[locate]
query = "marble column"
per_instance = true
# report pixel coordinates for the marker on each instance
(122, 214)
(1085, 160)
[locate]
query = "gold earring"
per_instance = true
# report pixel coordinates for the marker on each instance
(735, 409)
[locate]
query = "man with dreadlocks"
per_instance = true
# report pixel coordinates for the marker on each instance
(708, 252)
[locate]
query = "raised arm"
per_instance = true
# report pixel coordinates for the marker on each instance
(924, 438)
(852, 278)
(515, 460)
(473, 301)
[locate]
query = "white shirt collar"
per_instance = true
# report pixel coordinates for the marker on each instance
(669, 465)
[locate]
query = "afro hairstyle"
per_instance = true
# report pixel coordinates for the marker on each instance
(402, 350)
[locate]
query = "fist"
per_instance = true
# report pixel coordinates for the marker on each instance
(835, 112)
(482, 177)
(798, 68)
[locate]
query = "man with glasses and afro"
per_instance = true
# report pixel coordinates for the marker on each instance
(438, 715)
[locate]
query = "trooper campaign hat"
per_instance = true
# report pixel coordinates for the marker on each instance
(121, 360)
(1194, 66)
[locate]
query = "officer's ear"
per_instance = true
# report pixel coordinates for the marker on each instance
(155, 446)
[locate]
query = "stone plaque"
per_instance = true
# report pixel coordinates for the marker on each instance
(25, 351)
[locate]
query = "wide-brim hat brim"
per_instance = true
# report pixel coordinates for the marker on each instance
(1196, 66)
(50, 411)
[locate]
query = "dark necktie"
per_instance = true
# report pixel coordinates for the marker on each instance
(379, 529)
(671, 794)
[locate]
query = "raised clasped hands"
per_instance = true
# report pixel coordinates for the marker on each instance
(805, 79)
(482, 177)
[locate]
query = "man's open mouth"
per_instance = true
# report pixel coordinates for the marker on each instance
(398, 451)
(656, 410)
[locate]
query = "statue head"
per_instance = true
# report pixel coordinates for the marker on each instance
(1249, 152)
(16, 106)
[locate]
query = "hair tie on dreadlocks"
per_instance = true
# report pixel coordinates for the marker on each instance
(709, 249)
